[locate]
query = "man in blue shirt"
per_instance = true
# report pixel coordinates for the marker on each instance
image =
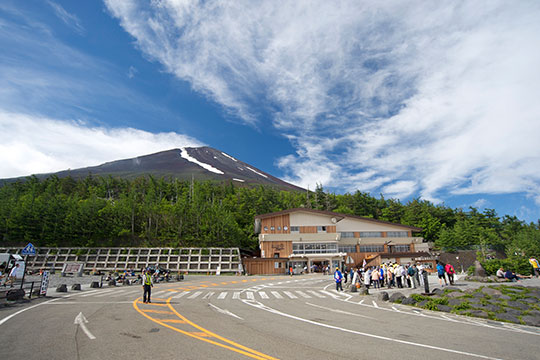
(338, 277)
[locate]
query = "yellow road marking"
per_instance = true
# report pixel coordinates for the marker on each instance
(175, 321)
(156, 311)
(162, 323)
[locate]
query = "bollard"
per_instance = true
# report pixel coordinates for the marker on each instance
(61, 288)
(426, 282)
(76, 287)
(94, 285)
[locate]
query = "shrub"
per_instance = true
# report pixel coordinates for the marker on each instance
(517, 264)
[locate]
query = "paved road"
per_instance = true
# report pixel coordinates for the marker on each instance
(255, 317)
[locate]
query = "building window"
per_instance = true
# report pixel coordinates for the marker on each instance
(285, 228)
(295, 229)
(321, 229)
(314, 248)
(397, 234)
(347, 234)
(401, 248)
(272, 228)
(276, 255)
(370, 234)
(347, 248)
(371, 248)
(279, 228)
(266, 228)
(277, 265)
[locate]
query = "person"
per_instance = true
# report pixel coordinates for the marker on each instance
(290, 271)
(536, 266)
(147, 286)
(420, 268)
(449, 269)
(345, 275)
(511, 276)
(398, 272)
(367, 277)
(375, 278)
(500, 273)
(13, 275)
(413, 272)
(441, 274)
(338, 277)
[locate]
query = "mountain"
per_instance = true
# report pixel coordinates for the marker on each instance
(201, 163)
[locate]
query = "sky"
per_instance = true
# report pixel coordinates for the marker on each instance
(408, 99)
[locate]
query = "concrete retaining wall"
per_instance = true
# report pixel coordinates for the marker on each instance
(193, 260)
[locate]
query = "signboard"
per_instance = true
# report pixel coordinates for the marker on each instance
(73, 268)
(44, 283)
(29, 250)
(218, 270)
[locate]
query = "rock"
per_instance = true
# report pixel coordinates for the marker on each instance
(383, 296)
(456, 302)
(15, 294)
(408, 301)
(486, 308)
(76, 287)
(396, 297)
(422, 303)
(503, 297)
(490, 291)
(61, 288)
(479, 269)
(531, 320)
(518, 305)
(438, 291)
(478, 295)
(508, 317)
(529, 300)
(452, 288)
(455, 294)
(478, 313)
(444, 308)
(511, 311)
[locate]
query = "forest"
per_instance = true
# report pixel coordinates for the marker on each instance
(107, 211)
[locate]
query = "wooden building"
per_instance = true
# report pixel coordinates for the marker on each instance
(309, 240)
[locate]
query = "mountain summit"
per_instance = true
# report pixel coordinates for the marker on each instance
(199, 163)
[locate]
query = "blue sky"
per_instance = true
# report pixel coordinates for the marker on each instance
(408, 99)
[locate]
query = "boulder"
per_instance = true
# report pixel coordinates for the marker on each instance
(408, 301)
(478, 313)
(396, 297)
(363, 290)
(486, 308)
(478, 295)
(529, 300)
(508, 317)
(422, 303)
(511, 311)
(490, 291)
(517, 305)
(454, 294)
(61, 288)
(383, 296)
(94, 285)
(438, 291)
(444, 308)
(76, 287)
(531, 320)
(479, 269)
(15, 294)
(456, 302)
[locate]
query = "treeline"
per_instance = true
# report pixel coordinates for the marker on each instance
(98, 211)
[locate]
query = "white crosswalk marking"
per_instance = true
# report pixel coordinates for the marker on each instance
(276, 294)
(180, 295)
(375, 304)
(223, 295)
(208, 295)
(249, 295)
(88, 293)
(303, 294)
(194, 295)
(160, 292)
(126, 293)
(290, 294)
(313, 292)
(102, 293)
(263, 295)
(236, 295)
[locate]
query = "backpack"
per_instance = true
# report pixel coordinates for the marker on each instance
(410, 271)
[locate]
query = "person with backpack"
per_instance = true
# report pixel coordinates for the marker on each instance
(413, 273)
(441, 273)
(338, 277)
(449, 269)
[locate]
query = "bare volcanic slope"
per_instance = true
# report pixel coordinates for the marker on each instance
(201, 163)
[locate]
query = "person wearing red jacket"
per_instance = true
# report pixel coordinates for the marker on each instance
(449, 269)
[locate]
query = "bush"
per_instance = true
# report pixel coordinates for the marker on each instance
(470, 270)
(519, 265)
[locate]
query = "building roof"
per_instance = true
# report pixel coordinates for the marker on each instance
(335, 214)
(405, 254)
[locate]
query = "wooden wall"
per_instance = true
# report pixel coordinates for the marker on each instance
(277, 223)
(284, 248)
(259, 266)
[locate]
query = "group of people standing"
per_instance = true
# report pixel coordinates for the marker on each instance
(390, 275)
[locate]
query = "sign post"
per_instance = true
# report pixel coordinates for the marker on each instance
(44, 283)
(27, 250)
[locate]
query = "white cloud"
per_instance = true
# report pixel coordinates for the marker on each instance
(32, 144)
(424, 97)
(69, 19)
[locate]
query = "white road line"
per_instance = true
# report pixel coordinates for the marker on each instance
(374, 304)
(194, 295)
(224, 311)
(276, 294)
(449, 318)
(340, 311)
(303, 294)
(180, 295)
(223, 295)
(263, 295)
(208, 295)
(28, 308)
(280, 313)
(361, 301)
(316, 294)
(290, 294)
(86, 293)
(100, 294)
(159, 292)
(81, 321)
(236, 295)
(126, 293)
(394, 308)
(249, 295)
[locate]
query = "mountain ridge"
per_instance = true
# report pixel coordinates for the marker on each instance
(186, 163)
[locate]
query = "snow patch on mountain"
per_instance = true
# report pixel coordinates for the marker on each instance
(256, 172)
(229, 156)
(239, 180)
(184, 154)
